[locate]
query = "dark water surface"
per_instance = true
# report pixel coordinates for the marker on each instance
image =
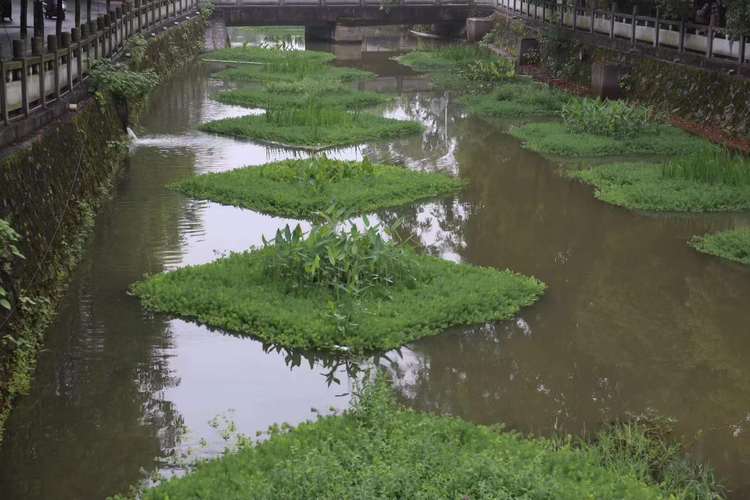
(633, 320)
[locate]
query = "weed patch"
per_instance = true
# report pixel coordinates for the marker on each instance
(556, 139)
(262, 55)
(733, 245)
(313, 127)
(379, 450)
(465, 68)
(518, 99)
(645, 187)
(302, 188)
(333, 289)
(615, 119)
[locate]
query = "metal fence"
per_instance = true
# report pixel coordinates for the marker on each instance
(682, 36)
(48, 73)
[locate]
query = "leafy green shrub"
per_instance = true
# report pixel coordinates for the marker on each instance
(123, 84)
(608, 118)
(379, 450)
(644, 187)
(9, 251)
(344, 262)
(733, 245)
(137, 47)
(557, 139)
(303, 188)
(711, 167)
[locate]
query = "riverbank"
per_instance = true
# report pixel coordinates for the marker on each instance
(52, 188)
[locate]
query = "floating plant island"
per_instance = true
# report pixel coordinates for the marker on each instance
(335, 289)
(301, 189)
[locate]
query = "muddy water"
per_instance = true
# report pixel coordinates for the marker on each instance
(634, 321)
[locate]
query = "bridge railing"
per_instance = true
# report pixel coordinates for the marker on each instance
(709, 41)
(33, 81)
(352, 3)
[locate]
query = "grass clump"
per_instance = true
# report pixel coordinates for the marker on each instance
(733, 245)
(377, 449)
(712, 166)
(313, 127)
(303, 188)
(274, 64)
(266, 55)
(337, 288)
(517, 99)
(288, 96)
(557, 139)
(645, 187)
(465, 68)
(615, 119)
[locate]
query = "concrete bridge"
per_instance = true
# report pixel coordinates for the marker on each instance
(339, 20)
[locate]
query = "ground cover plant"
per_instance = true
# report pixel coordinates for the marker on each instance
(290, 96)
(708, 181)
(337, 288)
(465, 68)
(733, 245)
(557, 139)
(313, 127)
(517, 99)
(377, 449)
(304, 188)
(266, 64)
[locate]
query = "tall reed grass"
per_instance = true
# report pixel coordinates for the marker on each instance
(710, 167)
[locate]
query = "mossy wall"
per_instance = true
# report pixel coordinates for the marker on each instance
(50, 188)
(706, 96)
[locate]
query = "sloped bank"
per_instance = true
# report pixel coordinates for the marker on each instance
(50, 188)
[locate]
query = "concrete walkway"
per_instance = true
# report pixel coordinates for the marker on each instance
(10, 30)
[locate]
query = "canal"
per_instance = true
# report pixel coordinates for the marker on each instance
(633, 322)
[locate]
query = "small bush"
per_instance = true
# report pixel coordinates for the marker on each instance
(733, 245)
(350, 262)
(9, 252)
(608, 118)
(711, 167)
(121, 83)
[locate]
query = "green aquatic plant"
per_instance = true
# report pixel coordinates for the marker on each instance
(9, 253)
(337, 289)
(517, 99)
(352, 262)
(313, 126)
(557, 139)
(262, 55)
(279, 97)
(465, 68)
(615, 119)
(303, 188)
(640, 186)
(733, 245)
(712, 166)
(377, 449)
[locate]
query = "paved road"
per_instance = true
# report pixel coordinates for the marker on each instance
(10, 30)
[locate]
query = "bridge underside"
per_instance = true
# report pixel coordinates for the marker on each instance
(349, 15)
